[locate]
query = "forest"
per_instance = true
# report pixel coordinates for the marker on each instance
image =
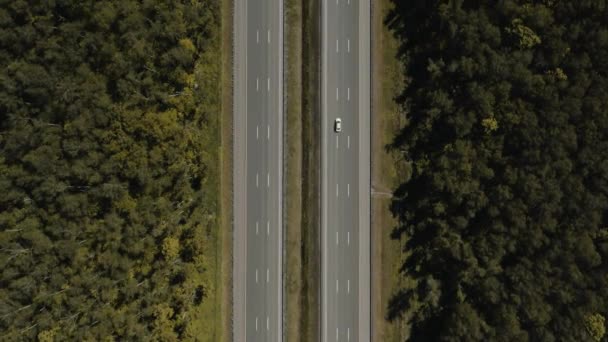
(503, 203)
(108, 168)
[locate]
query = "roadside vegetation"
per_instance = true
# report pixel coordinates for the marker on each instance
(388, 78)
(503, 197)
(223, 256)
(109, 140)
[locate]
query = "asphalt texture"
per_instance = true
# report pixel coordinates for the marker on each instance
(258, 149)
(345, 288)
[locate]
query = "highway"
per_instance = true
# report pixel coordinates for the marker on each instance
(258, 149)
(345, 163)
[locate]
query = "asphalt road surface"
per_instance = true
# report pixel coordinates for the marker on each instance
(258, 120)
(345, 171)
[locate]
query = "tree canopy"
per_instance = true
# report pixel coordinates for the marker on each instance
(503, 206)
(108, 167)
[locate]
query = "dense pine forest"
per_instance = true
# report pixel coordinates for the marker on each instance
(503, 206)
(108, 168)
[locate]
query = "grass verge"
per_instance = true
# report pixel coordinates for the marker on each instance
(387, 253)
(213, 316)
(224, 318)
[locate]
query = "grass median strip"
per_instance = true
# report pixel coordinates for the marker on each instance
(302, 172)
(293, 146)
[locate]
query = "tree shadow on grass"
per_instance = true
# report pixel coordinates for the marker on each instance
(414, 24)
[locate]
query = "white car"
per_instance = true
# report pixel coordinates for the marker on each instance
(338, 125)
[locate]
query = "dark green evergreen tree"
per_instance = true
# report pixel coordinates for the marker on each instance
(507, 206)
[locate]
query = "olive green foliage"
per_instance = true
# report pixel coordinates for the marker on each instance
(108, 157)
(504, 218)
(596, 325)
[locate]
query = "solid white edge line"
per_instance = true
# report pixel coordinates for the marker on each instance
(279, 190)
